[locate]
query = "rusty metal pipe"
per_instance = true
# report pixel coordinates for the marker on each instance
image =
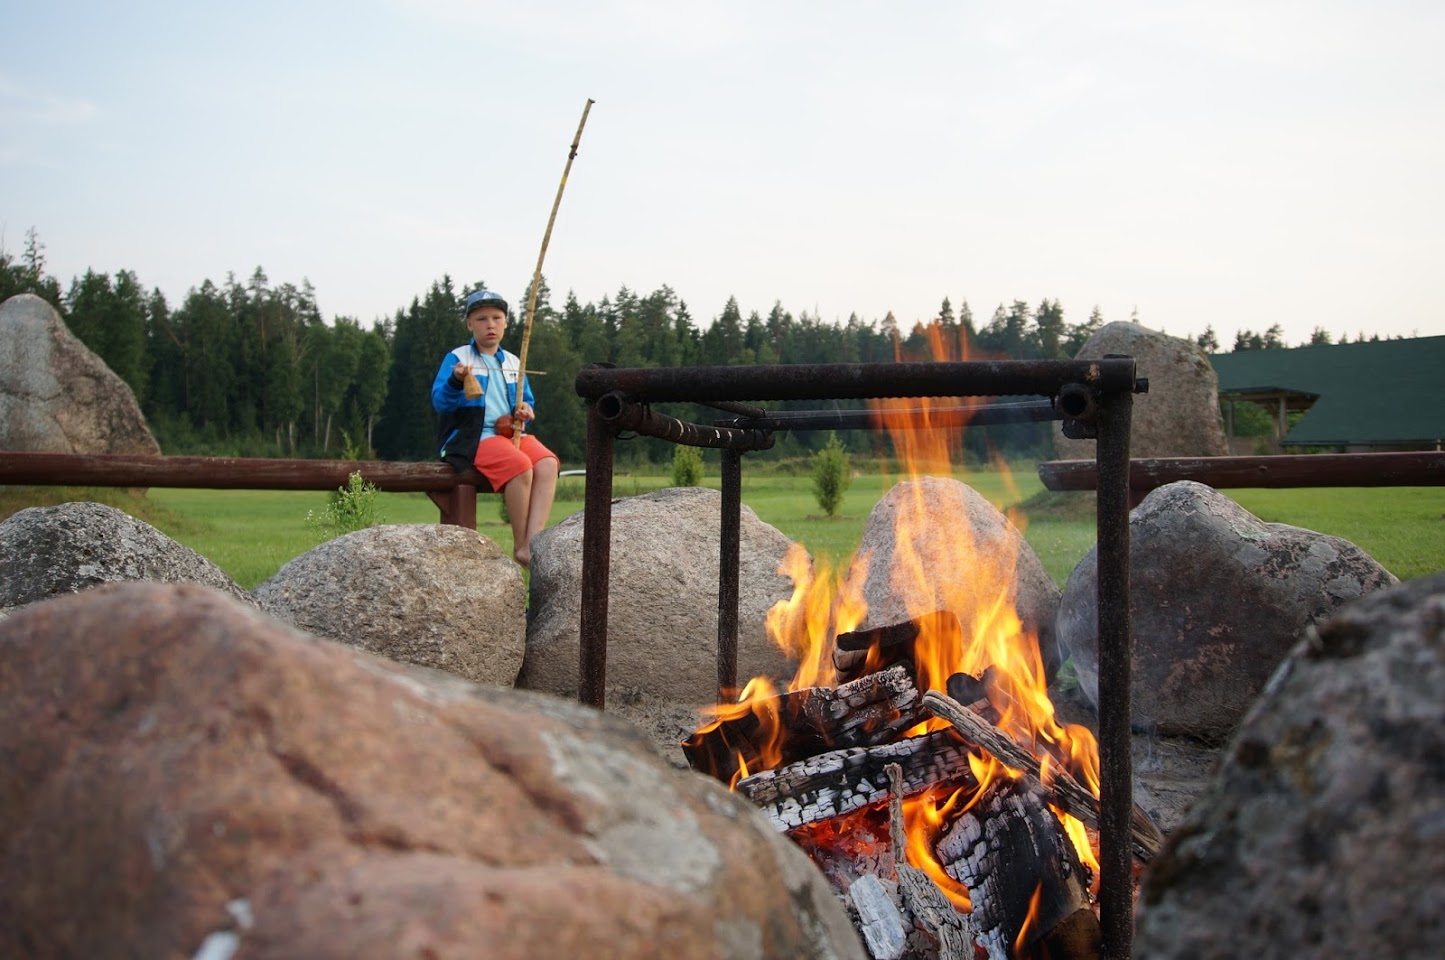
(1031, 411)
(729, 406)
(729, 566)
(856, 381)
(1076, 402)
(596, 561)
(1116, 774)
(620, 413)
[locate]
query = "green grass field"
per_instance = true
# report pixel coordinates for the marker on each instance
(250, 534)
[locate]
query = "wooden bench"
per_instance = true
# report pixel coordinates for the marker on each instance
(1408, 469)
(455, 494)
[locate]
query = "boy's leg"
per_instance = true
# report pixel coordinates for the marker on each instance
(517, 494)
(509, 471)
(544, 490)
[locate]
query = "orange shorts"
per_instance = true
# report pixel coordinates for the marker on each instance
(501, 463)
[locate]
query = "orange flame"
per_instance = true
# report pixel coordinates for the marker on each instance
(940, 564)
(923, 820)
(1029, 920)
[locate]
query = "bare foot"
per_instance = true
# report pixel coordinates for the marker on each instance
(523, 556)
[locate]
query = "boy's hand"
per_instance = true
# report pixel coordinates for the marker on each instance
(460, 371)
(524, 412)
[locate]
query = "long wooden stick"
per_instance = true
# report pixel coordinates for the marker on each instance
(537, 277)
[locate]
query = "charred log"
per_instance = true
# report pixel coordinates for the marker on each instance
(841, 781)
(884, 646)
(1021, 871)
(865, 712)
(880, 919)
(1063, 789)
(952, 933)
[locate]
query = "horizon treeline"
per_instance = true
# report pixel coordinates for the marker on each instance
(253, 369)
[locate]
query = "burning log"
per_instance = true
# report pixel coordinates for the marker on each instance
(894, 641)
(949, 929)
(1064, 790)
(1022, 874)
(841, 781)
(868, 711)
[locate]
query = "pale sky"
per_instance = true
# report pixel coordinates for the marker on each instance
(1227, 163)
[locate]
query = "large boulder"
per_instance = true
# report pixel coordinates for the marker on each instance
(48, 551)
(434, 595)
(662, 601)
(56, 396)
(188, 777)
(1323, 833)
(1179, 416)
(937, 544)
(1217, 597)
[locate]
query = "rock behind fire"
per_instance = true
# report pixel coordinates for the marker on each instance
(183, 771)
(1323, 833)
(1217, 597)
(49, 551)
(1179, 416)
(56, 396)
(662, 605)
(434, 595)
(959, 549)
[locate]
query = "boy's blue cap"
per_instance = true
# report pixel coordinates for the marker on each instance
(484, 298)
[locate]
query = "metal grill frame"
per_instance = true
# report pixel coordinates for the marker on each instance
(1094, 398)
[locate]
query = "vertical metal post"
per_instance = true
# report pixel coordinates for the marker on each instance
(1116, 900)
(596, 561)
(728, 568)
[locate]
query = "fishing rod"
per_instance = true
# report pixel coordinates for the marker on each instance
(537, 275)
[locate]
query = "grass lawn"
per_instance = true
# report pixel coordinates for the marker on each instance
(250, 534)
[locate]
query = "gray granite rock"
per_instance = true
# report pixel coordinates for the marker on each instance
(1217, 597)
(48, 551)
(1323, 834)
(434, 595)
(56, 396)
(662, 604)
(1179, 416)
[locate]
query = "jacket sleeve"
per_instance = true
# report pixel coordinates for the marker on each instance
(446, 394)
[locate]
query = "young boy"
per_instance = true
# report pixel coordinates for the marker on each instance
(470, 435)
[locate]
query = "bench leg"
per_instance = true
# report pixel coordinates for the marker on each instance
(458, 505)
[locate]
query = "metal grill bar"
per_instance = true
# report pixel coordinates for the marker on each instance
(856, 381)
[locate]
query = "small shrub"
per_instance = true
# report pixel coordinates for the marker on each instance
(351, 508)
(350, 449)
(686, 466)
(831, 475)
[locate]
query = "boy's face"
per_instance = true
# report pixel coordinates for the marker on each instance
(487, 324)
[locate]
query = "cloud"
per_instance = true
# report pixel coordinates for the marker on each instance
(19, 106)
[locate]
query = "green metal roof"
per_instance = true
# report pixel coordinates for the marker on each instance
(1384, 393)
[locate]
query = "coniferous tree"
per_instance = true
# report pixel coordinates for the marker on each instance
(424, 334)
(27, 273)
(368, 392)
(1049, 330)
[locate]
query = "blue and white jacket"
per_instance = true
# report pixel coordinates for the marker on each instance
(462, 418)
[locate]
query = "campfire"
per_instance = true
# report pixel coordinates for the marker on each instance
(920, 764)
